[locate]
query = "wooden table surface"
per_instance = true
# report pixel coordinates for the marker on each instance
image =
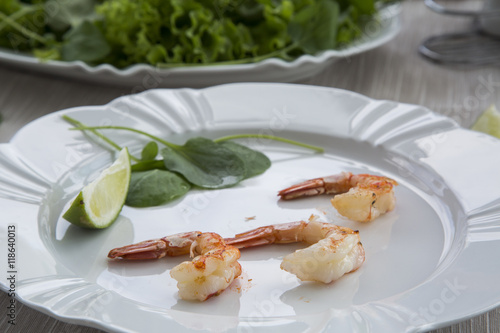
(394, 71)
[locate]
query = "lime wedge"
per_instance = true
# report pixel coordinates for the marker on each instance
(99, 203)
(489, 122)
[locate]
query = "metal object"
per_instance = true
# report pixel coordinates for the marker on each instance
(458, 12)
(480, 46)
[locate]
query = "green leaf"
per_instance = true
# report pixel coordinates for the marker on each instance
(154, 188)
(50, 53)
(62, 15)
(314, 28)
(256, 162)
(150, 151)
(10, 6)
(170, 33)
(84, 42)
(364, 6)
(205, 163)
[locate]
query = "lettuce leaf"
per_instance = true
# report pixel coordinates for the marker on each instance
(313, 29)
(181, 32)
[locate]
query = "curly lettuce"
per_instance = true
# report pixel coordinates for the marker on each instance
(180, 32)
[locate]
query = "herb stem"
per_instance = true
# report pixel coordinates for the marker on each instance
(79, 126)
(282, 53)
(270, 137)
(148, 165)
(17, 15)
(28, 33)
(130, 129)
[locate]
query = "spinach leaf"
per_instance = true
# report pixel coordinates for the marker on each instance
(314, 28)
(205, 163)
(154, 188)
(365, 7)
(62, 15)
(149, 151)
(255, 162)
(84, 42)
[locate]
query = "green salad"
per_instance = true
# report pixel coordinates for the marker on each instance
(169, 33)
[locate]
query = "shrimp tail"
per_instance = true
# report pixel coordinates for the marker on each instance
(334, 184)
(174, 245)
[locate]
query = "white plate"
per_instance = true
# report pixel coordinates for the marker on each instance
(430, 262)
(271, 70)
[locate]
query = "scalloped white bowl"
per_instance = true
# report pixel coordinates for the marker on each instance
(143, 76)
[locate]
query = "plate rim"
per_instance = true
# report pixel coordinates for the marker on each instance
(97, 324)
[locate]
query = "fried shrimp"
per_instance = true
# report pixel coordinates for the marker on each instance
(214, 267)
(333, 251)
(211, 271)
(361, 197)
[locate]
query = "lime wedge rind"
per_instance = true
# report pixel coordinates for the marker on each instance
(99, 203)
